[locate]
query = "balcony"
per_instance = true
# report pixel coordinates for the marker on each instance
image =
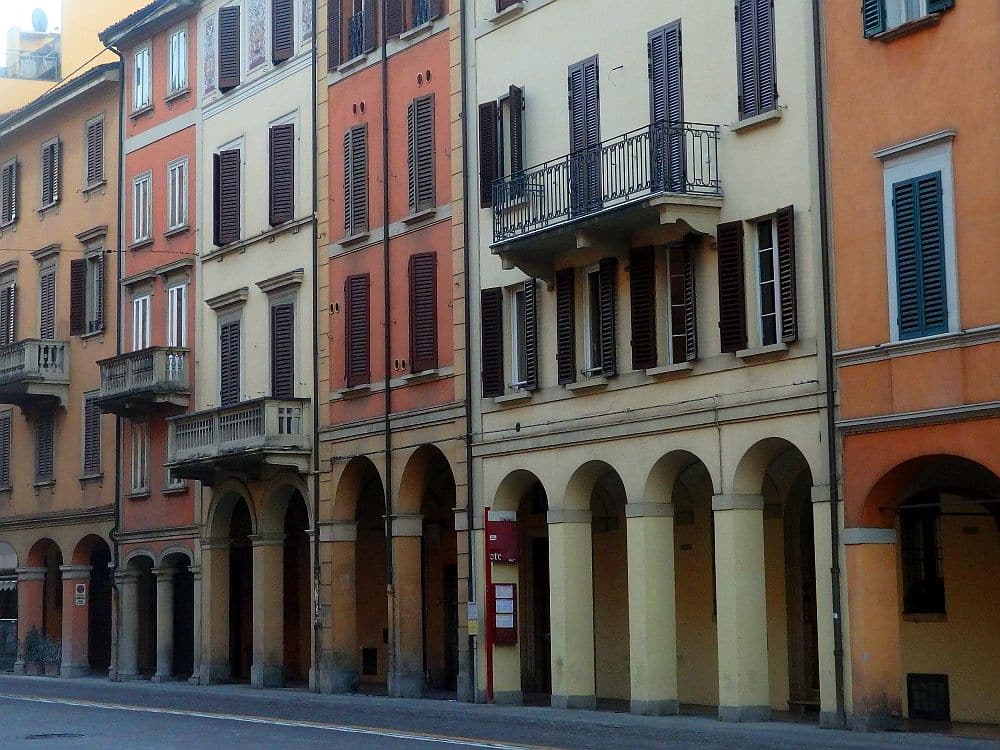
(661, 174)
(35, 65)
(243, 437)
(35, 373)
(141, 382)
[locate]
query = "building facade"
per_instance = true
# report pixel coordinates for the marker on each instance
(917, 355)
(58, 242)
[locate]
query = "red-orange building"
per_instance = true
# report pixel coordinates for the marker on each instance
(911, 95)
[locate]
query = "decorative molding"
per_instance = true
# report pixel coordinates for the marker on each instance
(229, 299)
(917, 418)
(268, 234)
(737, 502)
(649, 510)
(862, 535)
(908, 347)
(49, 251)
(914, 143)
(750, 123)
(9, 266)
(568, 516)
(281, 281)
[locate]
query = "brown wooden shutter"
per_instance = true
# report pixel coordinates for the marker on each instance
(423, 312)
(488, 155)
(515, 99)
(91, 437)
(47, 305)
(283, 350)
(420, 131)
(56, 171)
(282, 185)
(44, 446)
(8, 296)
(433, 9)
(491, 319)
(609, 309)
(282, 30)
(566, 325)
(785, 225)
(5, 446)
(334, 32)
(99, 291)
(229, 47)
(732, 292)
(356, 180)
(530, 335)
(370, 24)
(356, 304)
(229, 363)
(8, 194)
(642, 296)
(77, 297)
(47, 172)
(95, 151)
(393, 18)
(226, 196)
(585, 136)
(690, 250)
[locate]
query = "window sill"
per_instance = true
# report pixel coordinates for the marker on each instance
(138, 494)
(91, 478)
(43, 210)
(140, 244)
(94, 186)
(42, 483)
(417, 377)
(752, 123)
(354, 62)
(177, 95)
(183, 229)
(92, 334)
(587, 385)
(417, 31)
(354, 239)
(931, 19)
(669, 372)
(8, 225)
(419, 216)
(513, 398)
(178, 489)
(141, 112)
(772, 351)
(507, 13)
(925, 617)
(352, 392)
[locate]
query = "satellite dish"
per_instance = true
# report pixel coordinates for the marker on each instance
(39, 21)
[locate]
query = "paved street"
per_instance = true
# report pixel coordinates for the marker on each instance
(90, 713)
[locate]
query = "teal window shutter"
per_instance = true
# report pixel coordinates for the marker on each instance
(939, 6)
(873, 17)
(921, 289)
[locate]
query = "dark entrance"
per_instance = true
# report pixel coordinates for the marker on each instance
(240, 594)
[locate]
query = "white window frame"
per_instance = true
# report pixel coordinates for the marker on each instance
(94, 292)
(759, 283)
(142, 78)
(140, 457)
(177, 61)
(170, 482)
(899, 12)
(177, 315)
(674, 260)
(591, 368)
(906, 164)
(177, 194)
(141, 307)
(142, 207)
(517, 337)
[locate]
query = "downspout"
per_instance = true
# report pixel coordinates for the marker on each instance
(317, 606)
(830, 372)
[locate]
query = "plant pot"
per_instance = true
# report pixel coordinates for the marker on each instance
(33, 668)
(51, 669)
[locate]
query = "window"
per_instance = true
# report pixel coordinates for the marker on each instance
(227, 196)
(491, 341)
(177, 315)
(758, 91)
(142, 91)
(923, 582)
(51, 173)
(592, 322)
(356, 180)
(8, 193)
(501, 146)
(177, 194)
(524, 336)
(44, 446)
(177, 61)
(8, 312)
(732, 287)
(599, 320)
(140, 322)
(140, 457)
(400, 14)
(566, 325)
(423, 312)
(5, 444)
(883, 15)
(767, 284)
(142, 218)
(91, 436)
(420, 121)
(682, 324)
(283, 350)
(229, 362)
(281, 192)
(357, 330)
(86, 314)
(362, 28)
(229, 47)
(282, 30)
(174, 482)
(47, 303)
(586, 194)
(95, 151)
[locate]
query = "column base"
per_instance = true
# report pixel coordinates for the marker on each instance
(69, 671)
(876, 722)
(267, 676)
(744, 713)
(19, 667)
(508, 698)
(664, 707)
(832, 720)
(464, 688)
(588, 702)
(338, 681)
(129, 677)
(215, 673)
(163, 678)
(407, 686)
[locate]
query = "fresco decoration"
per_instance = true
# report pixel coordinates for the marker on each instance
(210, 59)
(307, 19)
(256, 34)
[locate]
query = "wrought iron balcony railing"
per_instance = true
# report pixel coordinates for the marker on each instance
(34, 370)
(140, 380)
(663, 157)
(355, 35)
(37, 65)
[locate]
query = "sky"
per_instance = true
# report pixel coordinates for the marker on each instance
(18, 13)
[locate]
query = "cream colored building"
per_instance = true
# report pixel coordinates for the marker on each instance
(660, 439)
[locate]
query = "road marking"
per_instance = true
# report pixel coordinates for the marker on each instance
(272, 721)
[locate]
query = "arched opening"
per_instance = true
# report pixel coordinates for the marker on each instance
(177, 564)
(371, 607)
(240, 592)
(8, 606)
(296, 614)
(145, 614)
(46, 554)
(96, 553)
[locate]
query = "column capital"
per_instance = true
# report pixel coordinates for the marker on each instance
(266, 540)
(164, 573)
(864, 535)
(126, 577)
(408, 525)
(649, 510)
(338, 531)
(737, 502)
(30, 574)
(214, 544)
(568, 516)
(74, 572)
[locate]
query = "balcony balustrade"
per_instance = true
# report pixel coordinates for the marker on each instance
(34, 373)
(141, 382)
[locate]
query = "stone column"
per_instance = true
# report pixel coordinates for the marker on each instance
(30, 593)
(342, 538)
(215, 666)
(744, 686)
(873, 601)
(406, 679)
(195, 677)
(128, 641)
(267, 669)
(76, 620)
(652, 617)
(821, 510)
(164, 624)
(571, 601)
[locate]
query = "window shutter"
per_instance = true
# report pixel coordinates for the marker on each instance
(8, 296)
(356, 180)
(755, 40)
(420, 128)
(227, 196)
(690, 249)
(5, 445)
(608, 305)
(47, 171)
(282, 31)
(566, 325)
(282, 185)
(921, 291)
(585, 136)
(229, 47)
(99, 293)
(44, 445)
(785, 224)
(95, 151)
(56, 188)
(8, 194)
(229, 363)
(530, 335)
(767, 91)
(91, 437)
(732, 295)
(77, 297)
(642, 296)
(433, 9)
(393, 18)
(370, 26)
(283, 350)
(47, 306)
(423, 312)
(333, 34)
(358, 330)
(666, 102)
(939, 6)
(515, 99)
(491, 317)
(216, 199)
(873, 17)
(488, 154)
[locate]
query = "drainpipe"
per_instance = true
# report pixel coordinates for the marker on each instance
(317, 607)
(830, 372)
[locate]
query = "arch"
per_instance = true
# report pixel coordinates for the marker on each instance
(427, 469)
(580, 487)
(8, 557)
(87, 546)
(662, 478)
(762, 457)
(356, 481)
(224, 500)
(175, 556)
(133, 557)
(281, 492)
(38, 554)
(510, 493)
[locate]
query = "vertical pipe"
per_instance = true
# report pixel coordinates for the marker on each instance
(317, 606)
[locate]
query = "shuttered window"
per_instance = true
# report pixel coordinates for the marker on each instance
(91, 436)
(142, 80)
(226, 196)
(732, 287)
(357, 330)
(51, 173)
(177, 194)
(282, 30)
(95, 151)
(682, 313)
(229, 47)
(281, 150)
(642, 297)
(491, 320)
(666, 104)
(95, 293)
(8, 193)
(608, 315)
(394, 17)
(566, 325)
(141, 322)
(177, 61)
(423, 312)
(784, 227)
(404, 14)
(142, 208)
(5, 448)
(77, 296)
(334, 34)
(8, 313)
(229, 363)
(356, 180)
(878, 16)
(585, 137)
(420, 130)
(918, 229)
(758, 90)
(44, 446)
(283, 350)
(47, 304)
(140, 456)
(524, 336)
(488, 151)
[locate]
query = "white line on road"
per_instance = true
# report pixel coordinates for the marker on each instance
(343, 729)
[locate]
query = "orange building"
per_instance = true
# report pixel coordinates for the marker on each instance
(911, 97)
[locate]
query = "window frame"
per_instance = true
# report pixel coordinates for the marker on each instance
(759, 283)
(142, 87)
(141, 337)
(139, 457)
(101, 178)
(175, 192)
(177, 57)
(49, 268)
(517, 299)
(233, 316)
(674, 260)
(592, 309)
(55, 177)
(95, 291)
(236, 144)
(177, 315)
(900, 6)
(147, 210)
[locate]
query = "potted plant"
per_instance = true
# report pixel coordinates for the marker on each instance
(34, 652)
(52, 657)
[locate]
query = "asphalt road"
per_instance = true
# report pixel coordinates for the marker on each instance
(38, 713)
